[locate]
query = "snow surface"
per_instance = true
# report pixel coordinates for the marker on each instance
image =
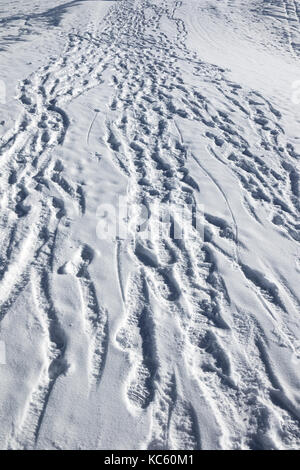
(140, 339)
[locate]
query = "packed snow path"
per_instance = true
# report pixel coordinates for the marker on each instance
(157, 342)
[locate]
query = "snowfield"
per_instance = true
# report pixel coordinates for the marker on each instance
(149, 214)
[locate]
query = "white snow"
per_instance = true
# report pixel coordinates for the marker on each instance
(116, 332)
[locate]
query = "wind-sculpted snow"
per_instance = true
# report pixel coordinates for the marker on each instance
(206, 324)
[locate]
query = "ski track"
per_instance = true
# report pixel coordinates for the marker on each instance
(94, 315)
(287, 12)
(150, 103)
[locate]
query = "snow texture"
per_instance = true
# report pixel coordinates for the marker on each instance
(149, 214)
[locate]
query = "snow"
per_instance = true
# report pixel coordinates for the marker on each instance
(124, 125)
